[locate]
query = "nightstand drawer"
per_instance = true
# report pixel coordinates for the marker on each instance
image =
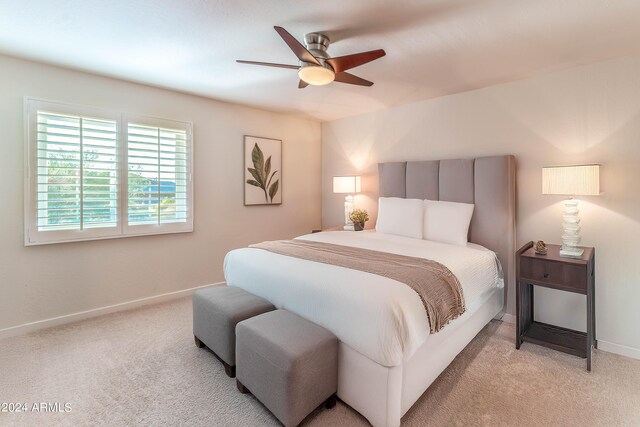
(566, 276)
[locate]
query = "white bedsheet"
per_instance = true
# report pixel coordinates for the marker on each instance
(379, 317)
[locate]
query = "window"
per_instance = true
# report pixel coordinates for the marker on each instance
(95, 174)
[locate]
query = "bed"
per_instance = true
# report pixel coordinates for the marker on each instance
(388, 357)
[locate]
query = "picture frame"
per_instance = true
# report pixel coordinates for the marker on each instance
(262, 171)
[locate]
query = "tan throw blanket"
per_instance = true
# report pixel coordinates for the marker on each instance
(438, 288)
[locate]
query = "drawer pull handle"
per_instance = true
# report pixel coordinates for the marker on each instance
(546, 275)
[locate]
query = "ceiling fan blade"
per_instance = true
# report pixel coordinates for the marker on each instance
(301, 52)
(351, 79)
(302, 84)
(343, 63)
(268, 64)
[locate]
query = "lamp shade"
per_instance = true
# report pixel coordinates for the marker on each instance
(580, 180)
(346, 184)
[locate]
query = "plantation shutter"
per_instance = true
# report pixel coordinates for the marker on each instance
(159, 175)
(77, 172)
(94, 174)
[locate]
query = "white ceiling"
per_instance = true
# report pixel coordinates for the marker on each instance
(434, 47)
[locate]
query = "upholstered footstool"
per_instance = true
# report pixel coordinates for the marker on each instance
(216, 311)
(288, 363)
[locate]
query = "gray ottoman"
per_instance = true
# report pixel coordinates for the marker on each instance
(288, 363)
(216, 311)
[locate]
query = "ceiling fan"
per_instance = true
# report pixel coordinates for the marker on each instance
(316, 67)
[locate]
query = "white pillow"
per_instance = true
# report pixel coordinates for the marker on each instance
(447, 222)
(403, 217)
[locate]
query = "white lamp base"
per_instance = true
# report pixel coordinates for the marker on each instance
(571, 230)
(348, 207)
(571, 254)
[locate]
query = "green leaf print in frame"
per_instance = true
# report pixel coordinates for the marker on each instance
(262, 171)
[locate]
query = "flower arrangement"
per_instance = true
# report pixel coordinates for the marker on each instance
(358, 217)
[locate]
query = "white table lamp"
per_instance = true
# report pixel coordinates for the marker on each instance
(581, 180)
(347, 185)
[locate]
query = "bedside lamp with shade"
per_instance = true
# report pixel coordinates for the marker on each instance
(348, 185)
(579, 180)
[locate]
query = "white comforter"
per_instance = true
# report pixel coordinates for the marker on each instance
(379, 317)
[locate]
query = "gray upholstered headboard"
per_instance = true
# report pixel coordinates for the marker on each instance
(488, 182)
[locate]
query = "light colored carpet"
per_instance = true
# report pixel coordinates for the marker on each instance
(141, 368)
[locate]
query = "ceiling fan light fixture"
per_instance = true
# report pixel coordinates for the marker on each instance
(316, 67)
(316, 75)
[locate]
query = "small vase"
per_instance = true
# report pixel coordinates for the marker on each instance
(358, 226)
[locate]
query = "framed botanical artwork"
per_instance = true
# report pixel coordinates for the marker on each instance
(262, 171)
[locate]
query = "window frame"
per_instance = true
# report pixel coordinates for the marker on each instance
(34, 237)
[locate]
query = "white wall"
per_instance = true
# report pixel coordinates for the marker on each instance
(42, 282)
(581, 115)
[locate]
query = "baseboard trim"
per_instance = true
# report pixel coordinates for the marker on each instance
(620, 349)
(74, 317)
(26, 328)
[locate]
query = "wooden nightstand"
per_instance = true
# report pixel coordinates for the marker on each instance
(555, 272)
(340, 228)
(336, 228)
